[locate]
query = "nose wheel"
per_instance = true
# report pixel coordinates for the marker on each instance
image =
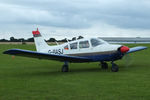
(114, 67)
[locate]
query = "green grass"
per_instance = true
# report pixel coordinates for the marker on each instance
(32, 79)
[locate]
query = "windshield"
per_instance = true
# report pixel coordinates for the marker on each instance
(95, 42)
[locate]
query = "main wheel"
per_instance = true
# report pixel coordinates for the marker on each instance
(65, 68)
(114, 68)
(104, 65)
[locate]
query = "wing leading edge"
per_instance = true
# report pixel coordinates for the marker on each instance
(39, 55)
(138, 48)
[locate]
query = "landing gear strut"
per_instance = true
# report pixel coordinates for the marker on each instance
(65, 67)
(104, 65)
(114, 67)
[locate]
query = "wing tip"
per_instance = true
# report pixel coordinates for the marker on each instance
(138, 48)
(5, 52)
(10, 51)
(143, 47)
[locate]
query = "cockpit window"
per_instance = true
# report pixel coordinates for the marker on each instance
(66, 47)
(84, 44)
(73, 45)
(96, 42)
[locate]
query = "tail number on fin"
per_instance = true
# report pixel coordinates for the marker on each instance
(56, 51)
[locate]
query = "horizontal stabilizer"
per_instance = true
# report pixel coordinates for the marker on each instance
(39, 55)
(138, 48)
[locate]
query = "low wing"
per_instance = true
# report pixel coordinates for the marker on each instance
(34, 54)
(138, 48)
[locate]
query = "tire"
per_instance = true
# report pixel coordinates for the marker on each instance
(114, 68)
(104, 65)
(65, 68)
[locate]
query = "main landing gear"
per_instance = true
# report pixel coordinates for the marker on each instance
(114, 67)
(65, 67)
(104, 65)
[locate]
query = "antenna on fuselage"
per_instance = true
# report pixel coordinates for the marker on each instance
(67, 40)
(56, 42)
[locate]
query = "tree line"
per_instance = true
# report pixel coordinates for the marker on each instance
(13, 39)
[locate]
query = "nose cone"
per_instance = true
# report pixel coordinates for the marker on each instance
(124, 49)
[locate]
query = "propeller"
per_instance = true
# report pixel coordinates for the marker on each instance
(127, 60)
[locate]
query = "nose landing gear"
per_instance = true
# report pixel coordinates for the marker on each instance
(114, 67)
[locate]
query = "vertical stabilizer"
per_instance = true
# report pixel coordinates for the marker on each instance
(40, 43)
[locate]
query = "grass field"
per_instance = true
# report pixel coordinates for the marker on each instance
(32, 79)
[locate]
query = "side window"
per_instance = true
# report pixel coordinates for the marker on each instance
(66, 47)
(84, 44)
(73, 45)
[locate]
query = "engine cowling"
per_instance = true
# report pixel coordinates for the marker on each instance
(124, 49)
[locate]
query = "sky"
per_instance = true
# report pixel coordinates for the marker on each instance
(70, 18)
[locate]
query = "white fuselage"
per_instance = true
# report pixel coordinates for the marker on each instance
(82, 47)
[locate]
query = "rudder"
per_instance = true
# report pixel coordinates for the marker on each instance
(40, 43)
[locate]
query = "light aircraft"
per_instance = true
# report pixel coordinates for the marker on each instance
(78, 51)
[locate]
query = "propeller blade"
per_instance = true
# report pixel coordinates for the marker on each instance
(127, 59)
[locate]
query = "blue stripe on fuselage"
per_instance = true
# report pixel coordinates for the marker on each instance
(105, 57)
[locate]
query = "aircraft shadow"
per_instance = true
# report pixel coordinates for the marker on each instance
(59, 73)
